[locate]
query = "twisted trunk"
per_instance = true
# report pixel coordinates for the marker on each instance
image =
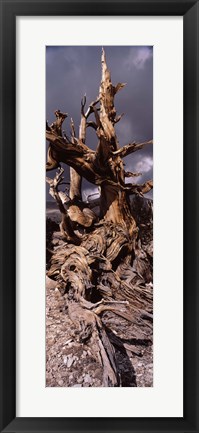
(101, 269)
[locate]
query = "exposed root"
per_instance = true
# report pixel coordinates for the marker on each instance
(94, 283)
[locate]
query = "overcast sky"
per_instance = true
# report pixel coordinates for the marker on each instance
(73, 71)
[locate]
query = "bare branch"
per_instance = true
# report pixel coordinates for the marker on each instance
(57, 125)
(140, 189)
(83, 103)
(91, 107)
(92, 125)
(97, 118)
(75, 185)
(118, 87)
(130, 148)
(59, 196)
(73, 133)
(131, 174)
(52, 162)
(61, 145)
(75, 178)
(84, 117)
(118, 118)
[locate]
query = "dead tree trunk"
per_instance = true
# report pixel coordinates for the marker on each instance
(108, 262)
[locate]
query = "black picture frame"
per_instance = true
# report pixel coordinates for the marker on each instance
(9, 11)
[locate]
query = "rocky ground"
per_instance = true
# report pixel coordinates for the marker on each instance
(71, 363)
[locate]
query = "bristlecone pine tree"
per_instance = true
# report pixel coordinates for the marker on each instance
(101, 265)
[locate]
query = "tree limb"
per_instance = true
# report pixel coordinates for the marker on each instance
(57, 124)
(131, 174)
(140, 189)
(118, 87)
(130, 148)
(75, 178)
(92, 125)
(118, 118)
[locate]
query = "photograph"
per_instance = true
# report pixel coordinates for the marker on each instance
(99, 216)
(99, 280)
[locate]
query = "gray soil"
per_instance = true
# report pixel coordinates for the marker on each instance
(71, 364)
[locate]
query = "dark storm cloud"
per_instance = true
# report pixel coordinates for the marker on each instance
(73, 71)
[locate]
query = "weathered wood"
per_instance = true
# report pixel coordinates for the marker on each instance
(75, 178)
(103, 268)
(103, 167)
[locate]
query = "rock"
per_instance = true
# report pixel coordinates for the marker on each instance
(65, 360)
(77, 385)
(87, 378)
(70, 361)
(50, 341)
(57, 292)
(68, 341)
(80, 380)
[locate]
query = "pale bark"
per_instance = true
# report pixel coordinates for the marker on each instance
(107, 260)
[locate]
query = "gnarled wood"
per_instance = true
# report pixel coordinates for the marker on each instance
(107, 268)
